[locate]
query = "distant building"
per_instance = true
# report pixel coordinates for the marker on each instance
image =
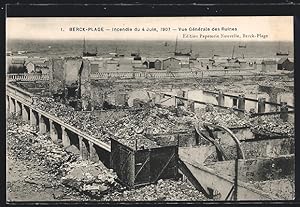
(268, 66)
(138, 64)
(94, 67)
(18, 61)
(242, 63)
(17, 66)
(285, 64)
(231, 65)
(171, 64)
(111, 64)
(153, 63)
(184, 62)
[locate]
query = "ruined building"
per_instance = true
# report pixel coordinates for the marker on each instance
(70, 81)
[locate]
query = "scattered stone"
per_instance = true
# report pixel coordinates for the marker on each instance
(164, 190)
(224, 117)
(272, 125)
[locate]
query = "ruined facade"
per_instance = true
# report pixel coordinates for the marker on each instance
(70, 81)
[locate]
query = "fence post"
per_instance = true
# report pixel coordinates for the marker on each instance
(241, 102)
(221, 98)
(65, 137)
(18, 108)
(241, 105)
(284, 111)
(24, 113)
(261, 105)
(42, 125)
(191, 105)
(93, 154)
(33, 119)
(53, 132)
(83, 149)
(12, 106)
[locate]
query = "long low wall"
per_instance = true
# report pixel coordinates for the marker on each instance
(27, 77)
(139, 75)
(171, 74)
(222, 184)
(20, 102)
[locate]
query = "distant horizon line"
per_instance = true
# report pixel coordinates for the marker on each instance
(162, 40)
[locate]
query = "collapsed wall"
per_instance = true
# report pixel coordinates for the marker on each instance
(69, 81)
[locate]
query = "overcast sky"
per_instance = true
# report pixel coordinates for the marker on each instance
(277, 28)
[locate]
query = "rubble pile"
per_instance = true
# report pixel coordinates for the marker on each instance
(153, 120)
(67, 167)
(87, 178)
(164, 190)
(271, 125)
(131, 127)
(91, 178)
(224, 117)
(87, 122)
(281, 83)
(245, 86)
(25, 144)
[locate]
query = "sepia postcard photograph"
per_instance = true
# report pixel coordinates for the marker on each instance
(150, 109)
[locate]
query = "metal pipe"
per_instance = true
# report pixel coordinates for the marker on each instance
(238, 148)
(235, 139)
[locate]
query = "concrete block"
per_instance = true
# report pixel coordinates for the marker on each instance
(12, 107)
(18, 108)
(25, 114)
(33, 119)
(42, 124)
(93, 154)
(191, 105)
(221, 98)
(7, 103)
(84, 154)
(175, 101)
(284, 111)
(241, 102)
(261, 105)
(53, 132)
(65, 137)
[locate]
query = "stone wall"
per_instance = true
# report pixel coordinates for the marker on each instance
(56, 75)
(271, 91)
(257, 169)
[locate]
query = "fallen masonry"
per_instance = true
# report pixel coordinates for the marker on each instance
(134, 125)
(87, 179)
(263, 142)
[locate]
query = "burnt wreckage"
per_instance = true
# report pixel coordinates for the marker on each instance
(69, 82)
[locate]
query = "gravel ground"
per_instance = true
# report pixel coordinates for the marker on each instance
(167, 190)
(33, 174)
